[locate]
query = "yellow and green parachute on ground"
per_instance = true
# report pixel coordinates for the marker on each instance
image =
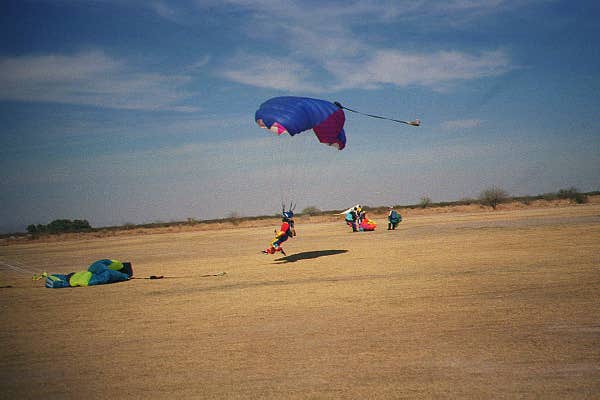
(98, 273)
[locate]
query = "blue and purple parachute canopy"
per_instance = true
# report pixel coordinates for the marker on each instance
(297, 114)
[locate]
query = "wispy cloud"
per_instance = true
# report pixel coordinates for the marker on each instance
(382, 67)
(434, 70)
(272, 73)
(164, 10)
(335, 49)
(342, 10)
(91, 78)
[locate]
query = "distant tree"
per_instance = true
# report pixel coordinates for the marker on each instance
(573, 195)
(80, 225)
(425, 202)
(66, 225)
(61, 226)
(311, 210)
(493, 196)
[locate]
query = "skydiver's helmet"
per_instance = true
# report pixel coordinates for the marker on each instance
(287, 215)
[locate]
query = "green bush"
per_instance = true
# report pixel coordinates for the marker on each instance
(61, 226)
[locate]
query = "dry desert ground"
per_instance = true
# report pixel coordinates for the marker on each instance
(463, 305)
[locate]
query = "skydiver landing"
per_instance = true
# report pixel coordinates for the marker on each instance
(285, 232)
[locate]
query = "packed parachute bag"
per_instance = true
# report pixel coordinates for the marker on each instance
(98, 273)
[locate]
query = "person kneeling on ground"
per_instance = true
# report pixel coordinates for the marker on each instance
(394, 218)
(351, 219)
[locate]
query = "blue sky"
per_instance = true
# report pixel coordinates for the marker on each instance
(143, 111)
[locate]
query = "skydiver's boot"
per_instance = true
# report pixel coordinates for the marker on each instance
(270, 250)
(278, 248)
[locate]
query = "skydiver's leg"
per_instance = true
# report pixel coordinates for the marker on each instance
(277, 243)
(276, 246)
(273, 247)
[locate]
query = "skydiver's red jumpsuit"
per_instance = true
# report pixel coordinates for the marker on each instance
(286, 231)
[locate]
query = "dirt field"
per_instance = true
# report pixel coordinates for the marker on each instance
(501, 304)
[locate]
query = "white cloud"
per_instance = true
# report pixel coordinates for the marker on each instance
(373, 69)
(269, 72)
(90, 78)
(433, 70)
(53, 68)
(334, 43)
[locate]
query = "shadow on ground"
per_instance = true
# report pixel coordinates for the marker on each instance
(308, 255)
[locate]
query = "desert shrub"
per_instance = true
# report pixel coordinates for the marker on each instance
(233, 217)
(466, 201)
(550, 196)
(573, 195)
(425, 202)
(311, 210)
(525, 200)
(493, 196)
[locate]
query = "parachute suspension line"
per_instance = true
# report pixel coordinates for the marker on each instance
(292, 177)
(416, 122)
(18, 267)
(286, 173)
(24, 269)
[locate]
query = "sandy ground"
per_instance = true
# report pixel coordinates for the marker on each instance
(496, 305)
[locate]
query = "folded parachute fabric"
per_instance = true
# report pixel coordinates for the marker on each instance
(98, 273)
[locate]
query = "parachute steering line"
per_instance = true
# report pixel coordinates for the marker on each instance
(294, 115)
(416, 122)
